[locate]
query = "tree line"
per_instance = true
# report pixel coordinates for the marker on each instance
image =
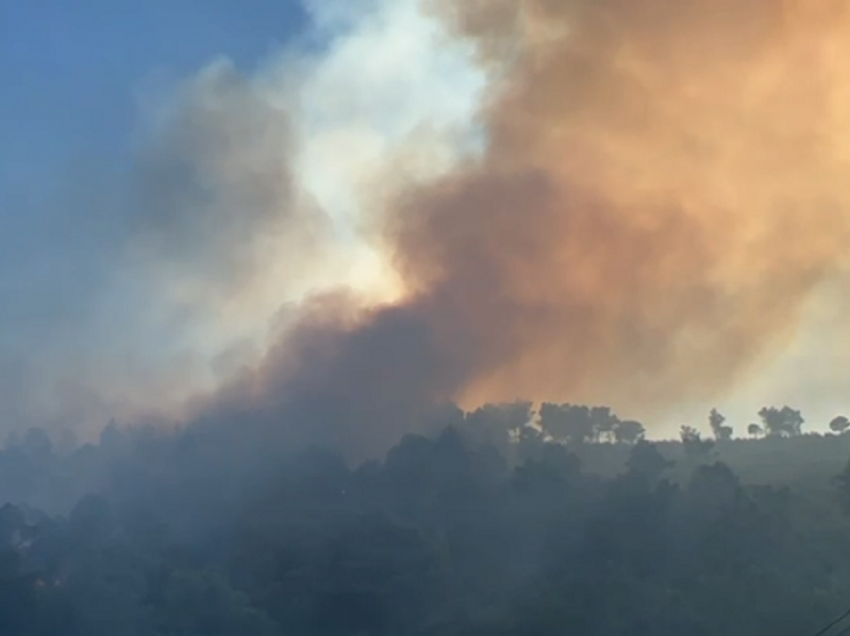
(503, 521)
(575, 424)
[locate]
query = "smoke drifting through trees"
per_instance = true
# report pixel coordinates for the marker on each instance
(660, 193)
(662, 190)
(484, 528)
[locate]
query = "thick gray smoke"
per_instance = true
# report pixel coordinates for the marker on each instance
(662, 192)
(645, 203)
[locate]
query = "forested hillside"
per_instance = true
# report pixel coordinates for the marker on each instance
(487, 526)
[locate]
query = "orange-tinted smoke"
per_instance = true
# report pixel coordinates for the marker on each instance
(665, 185)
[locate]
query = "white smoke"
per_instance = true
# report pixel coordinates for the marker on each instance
(248, 193)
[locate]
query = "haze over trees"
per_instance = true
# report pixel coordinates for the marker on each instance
(411, 200)
(503, 521)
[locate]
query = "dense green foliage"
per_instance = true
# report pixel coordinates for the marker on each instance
(490, 527)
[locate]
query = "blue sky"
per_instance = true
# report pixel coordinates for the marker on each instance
(69, 70)
(70, 74)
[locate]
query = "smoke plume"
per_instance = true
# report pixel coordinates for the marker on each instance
(127, 288)
(610, 202)
(663, 188)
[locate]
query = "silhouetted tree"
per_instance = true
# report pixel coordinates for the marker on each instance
(839, 424)
(784, 422)
(629, 432)
(754, 430)
(604, 423)
(567, 422)
(716, 422)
